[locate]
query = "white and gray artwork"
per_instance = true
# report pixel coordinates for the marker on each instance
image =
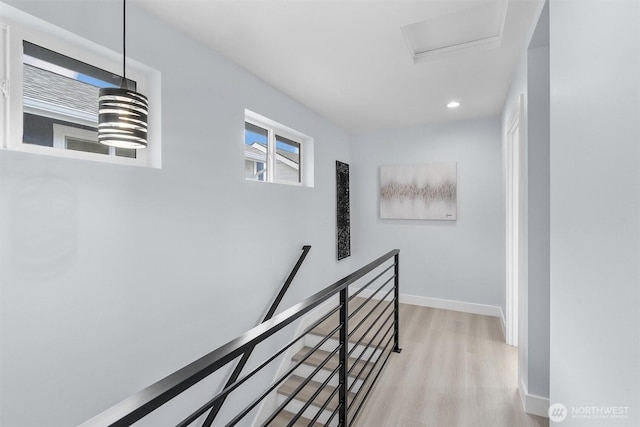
(426, 191)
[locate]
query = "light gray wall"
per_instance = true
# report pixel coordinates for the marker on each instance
(459, 260)
(532, 80)
(112, 277)
(510, 111)
(595, 207)
(538, 220)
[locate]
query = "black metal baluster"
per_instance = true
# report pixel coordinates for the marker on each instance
(396, 303)
(154, 396)
(344, 337)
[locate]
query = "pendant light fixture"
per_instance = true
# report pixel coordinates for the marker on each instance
(122, 112)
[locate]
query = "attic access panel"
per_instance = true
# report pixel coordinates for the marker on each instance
(480, 24)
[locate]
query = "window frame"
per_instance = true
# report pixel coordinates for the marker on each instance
(19, 27)
(284, 160)
(61, 132)
(274, 129)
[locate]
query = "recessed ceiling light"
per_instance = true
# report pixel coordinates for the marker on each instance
(453, 104)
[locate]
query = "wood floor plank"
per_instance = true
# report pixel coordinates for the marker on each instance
(454, 371)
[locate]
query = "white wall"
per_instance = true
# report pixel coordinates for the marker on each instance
(459, 260)
(532, 80)
(595, 207)
(112, 277)
(538, 220)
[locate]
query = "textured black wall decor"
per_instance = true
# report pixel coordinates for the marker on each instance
(343, 215)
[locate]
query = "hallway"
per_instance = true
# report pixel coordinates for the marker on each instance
(454, 370)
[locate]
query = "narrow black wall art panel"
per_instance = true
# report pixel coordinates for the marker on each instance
(343, 215)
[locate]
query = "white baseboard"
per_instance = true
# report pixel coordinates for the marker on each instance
(445, 304)
(533, 404)
(465, 307)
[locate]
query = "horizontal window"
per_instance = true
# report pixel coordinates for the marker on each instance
(60, 101)
(276, 153)
(52, 98)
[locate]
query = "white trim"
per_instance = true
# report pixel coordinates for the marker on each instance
(533, 404)
(515, 224)
(59, 149)
(80, 155)
(265, 122)
(503, 323)
(464, 307)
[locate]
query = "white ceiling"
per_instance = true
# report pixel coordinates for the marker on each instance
(349, 60)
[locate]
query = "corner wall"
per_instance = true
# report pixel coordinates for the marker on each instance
(112, 277)
(595, 209)
(459, 260)
(538, 220)
(532, 81)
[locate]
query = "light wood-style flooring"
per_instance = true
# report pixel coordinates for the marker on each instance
(454, 371)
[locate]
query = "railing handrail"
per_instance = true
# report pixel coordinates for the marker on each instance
(147, 400)
(215, 408)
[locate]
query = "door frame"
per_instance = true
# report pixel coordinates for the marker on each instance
(515, 220)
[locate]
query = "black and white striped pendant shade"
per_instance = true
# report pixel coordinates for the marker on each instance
(122, 118)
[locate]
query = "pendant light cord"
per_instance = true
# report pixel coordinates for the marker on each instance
(124, 44)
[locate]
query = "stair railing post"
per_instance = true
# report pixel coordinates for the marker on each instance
(215, 409)
(396, 303)
(344, 317)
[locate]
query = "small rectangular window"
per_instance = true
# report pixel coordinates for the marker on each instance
(49, 88)
(60, 94)
(274, 153)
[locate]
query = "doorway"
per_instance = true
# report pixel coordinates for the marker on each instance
(514, 219)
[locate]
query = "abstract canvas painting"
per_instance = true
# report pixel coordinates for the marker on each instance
(343, 214)
(427, 191)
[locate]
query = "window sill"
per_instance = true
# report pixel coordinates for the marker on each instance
(79, 155)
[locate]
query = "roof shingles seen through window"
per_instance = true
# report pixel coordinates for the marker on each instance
(46, 86)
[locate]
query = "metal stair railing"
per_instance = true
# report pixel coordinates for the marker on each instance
(372, 348)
